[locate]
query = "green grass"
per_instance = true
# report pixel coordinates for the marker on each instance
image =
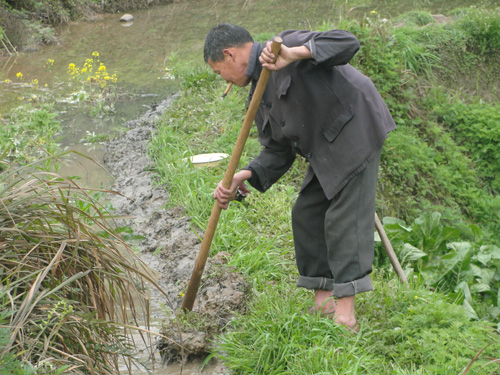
(403, 330)
(278, 337)
(425, 168)
(28, 133)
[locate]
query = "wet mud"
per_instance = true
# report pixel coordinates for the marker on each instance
(169, 244)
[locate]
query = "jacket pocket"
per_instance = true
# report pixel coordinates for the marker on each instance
(333, 130)
(262, 117)
(283, 86)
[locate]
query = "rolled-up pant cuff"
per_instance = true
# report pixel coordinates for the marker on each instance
(339, 290)
(315, 283)
(353, 287)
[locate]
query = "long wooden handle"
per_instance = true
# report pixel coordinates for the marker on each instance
(194, 283)
(389, 250)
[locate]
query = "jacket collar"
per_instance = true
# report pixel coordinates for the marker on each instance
(254, 67)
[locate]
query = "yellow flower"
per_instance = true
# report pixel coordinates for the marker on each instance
(84, 70)
(34, 82)
(71, 66)
(19, 75)
(181, 294)
(7, 80)
(95, 53)
(102, 68)
(373, 12)
(50, 61)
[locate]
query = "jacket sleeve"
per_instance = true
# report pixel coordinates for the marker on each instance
(273, 161)
(328, 48)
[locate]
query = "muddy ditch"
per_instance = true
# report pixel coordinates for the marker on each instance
(170, 245)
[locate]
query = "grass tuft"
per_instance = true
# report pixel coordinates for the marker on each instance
(69, 285)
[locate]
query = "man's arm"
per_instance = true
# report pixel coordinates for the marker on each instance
(287, 56)
(329, 48)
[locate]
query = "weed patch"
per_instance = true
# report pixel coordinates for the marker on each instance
(28, 133)
(415, 329)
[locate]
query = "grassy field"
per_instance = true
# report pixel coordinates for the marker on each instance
(437, 193)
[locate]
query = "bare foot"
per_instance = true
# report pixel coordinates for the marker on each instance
(344, 314)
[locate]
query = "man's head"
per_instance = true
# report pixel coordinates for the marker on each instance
(227, 49)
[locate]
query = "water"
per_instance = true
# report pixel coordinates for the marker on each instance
(139, 54)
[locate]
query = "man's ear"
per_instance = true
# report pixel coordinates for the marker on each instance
(228, 52)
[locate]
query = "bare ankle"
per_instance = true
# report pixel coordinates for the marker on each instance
(324, 301)
(345, 313)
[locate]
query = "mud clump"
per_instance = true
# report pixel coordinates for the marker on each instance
(169, 245)
(223, 292)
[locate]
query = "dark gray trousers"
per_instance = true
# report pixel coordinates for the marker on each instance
(334, 239)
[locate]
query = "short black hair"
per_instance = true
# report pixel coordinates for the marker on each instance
(223, 36)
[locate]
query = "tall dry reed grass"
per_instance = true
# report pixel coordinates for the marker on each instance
(70, 287)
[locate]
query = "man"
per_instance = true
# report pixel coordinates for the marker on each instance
(318, 106)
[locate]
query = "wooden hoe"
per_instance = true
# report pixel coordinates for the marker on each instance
(194, 282)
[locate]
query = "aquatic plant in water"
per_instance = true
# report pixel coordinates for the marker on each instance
(93, 71)
(98, 86)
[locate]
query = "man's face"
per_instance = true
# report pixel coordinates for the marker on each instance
(231, 69)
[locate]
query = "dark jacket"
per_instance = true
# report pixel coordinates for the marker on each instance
(322, 109)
